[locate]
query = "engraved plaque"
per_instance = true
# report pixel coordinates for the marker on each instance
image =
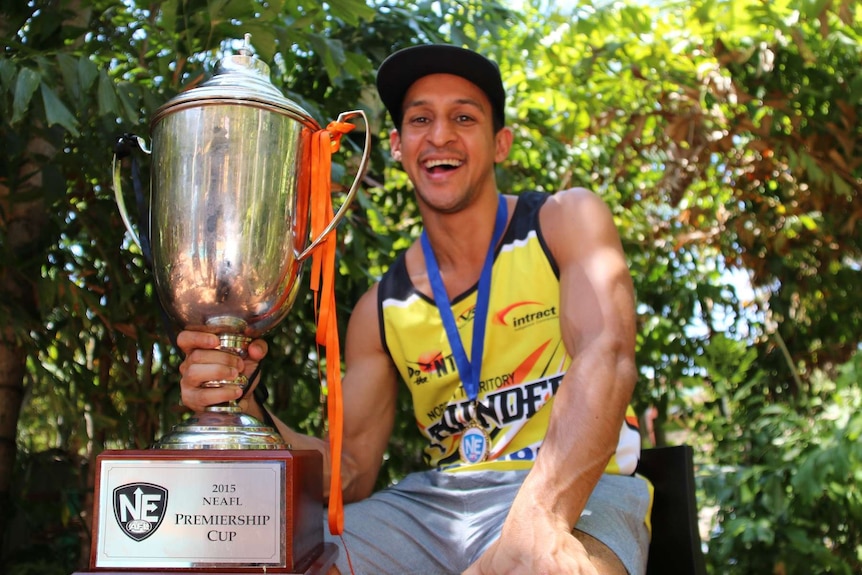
(220, 510)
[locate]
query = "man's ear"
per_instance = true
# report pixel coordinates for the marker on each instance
(395, 145)
(503, 143)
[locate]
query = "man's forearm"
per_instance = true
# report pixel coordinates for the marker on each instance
(583, 432)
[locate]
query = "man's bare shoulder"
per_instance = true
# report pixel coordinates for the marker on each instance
(573, 213)
(575, 199)
(366, 306)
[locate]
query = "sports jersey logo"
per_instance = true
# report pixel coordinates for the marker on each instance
(468, 315)
(430, 363)
(511, 404)
(139, 508)
(516, 316)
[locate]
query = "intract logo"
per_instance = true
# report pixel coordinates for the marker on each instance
(518, 317)
(139, 508)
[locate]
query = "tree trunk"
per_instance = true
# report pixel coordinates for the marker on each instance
(11, 392)
(23, 223)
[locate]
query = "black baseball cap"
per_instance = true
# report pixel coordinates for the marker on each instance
(398, 72)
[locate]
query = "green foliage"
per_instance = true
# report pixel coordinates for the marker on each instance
(45, 532)
(723, 134)
(785, 477)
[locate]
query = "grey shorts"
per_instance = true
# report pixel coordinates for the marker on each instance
(436, 523)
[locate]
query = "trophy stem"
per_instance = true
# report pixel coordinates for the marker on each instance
(234, 343)
(224, 426)
(238, 345)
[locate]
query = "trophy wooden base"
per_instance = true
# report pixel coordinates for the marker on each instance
(320, 566)
(209, 511)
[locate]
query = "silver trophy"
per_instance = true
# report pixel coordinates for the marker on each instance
(229, 214)
(229, 229)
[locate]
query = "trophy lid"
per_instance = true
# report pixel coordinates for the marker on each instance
(239, 79)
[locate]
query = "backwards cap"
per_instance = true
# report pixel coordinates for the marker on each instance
(401, 69)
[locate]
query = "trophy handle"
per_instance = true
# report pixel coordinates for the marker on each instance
(118, 187)
(363, 166)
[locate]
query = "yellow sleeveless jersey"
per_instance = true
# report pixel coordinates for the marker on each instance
(524, 359)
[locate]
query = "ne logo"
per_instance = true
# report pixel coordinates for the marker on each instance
(139, 508)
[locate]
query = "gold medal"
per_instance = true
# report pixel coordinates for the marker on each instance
(475, 443)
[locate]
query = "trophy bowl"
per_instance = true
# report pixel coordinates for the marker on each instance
(229, 223)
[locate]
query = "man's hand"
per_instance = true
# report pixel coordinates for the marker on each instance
(538, 544)
(204, 362)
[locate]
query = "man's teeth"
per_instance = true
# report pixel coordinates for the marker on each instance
(444, 163)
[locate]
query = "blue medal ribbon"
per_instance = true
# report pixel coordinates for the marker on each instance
(469, 369)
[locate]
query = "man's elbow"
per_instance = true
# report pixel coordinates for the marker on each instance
(620, 348)
(357, 484)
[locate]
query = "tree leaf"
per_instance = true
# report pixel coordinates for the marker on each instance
(69, 71)
(25, 86)
(87, 72)
(107, 97)
(56, 111)
(7, 74)
(331, 52)
(352, 11)
(125, 91)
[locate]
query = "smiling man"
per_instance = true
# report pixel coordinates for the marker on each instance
(511, 322)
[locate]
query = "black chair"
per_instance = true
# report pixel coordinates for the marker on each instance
(675, 548)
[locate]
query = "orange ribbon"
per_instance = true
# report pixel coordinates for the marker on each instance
(323, 144)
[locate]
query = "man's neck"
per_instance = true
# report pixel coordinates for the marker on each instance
(461, 241)
(464, 236)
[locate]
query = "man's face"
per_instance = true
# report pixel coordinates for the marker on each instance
(447, 143)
